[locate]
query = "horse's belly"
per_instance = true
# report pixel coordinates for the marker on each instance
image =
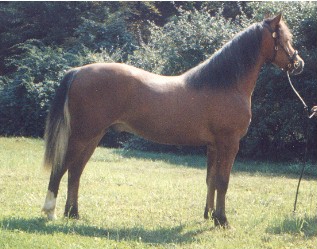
(172, 134)
(175, 138)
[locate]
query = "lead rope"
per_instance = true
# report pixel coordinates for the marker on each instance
(304, 165)
(306, 136)
(300, 98)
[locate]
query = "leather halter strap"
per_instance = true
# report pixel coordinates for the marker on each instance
(277, 43)
(275, 35)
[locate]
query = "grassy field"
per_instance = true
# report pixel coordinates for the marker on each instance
(131, 199)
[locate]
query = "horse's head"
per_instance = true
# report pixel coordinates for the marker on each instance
(278, 46)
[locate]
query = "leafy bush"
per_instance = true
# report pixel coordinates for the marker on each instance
(34, 59)
(184, 42)
(25, 95)
(109, 34)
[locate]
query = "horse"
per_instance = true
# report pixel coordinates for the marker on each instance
(208, 105)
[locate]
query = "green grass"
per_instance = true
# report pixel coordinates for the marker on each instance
(131, 199)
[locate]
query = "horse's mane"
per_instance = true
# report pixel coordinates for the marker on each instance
(227, 65)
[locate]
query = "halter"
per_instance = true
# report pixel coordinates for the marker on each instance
(277, 43)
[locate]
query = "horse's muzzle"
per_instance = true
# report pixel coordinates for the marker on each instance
(296, 67)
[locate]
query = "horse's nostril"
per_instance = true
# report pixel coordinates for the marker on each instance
(296, 64)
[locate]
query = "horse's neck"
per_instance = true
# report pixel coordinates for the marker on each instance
(246, 84)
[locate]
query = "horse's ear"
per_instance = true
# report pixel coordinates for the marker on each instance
(267, 15)
(276, 20)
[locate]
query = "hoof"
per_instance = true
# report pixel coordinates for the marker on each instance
(71, 215)
(50, 213)
(208, 213)
(71, 212)
(220, 221)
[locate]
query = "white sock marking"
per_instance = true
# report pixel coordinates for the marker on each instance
(50, 205)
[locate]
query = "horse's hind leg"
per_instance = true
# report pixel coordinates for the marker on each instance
(50, 200)
(77, 157)
(78, 153)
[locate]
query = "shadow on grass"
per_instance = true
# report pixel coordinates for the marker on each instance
(193, 161)
(156, 236)
(295, 225)
(291, 170)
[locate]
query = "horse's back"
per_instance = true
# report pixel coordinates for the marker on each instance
(113, 73)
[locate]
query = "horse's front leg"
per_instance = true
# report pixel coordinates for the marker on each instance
(227, 149)
(210, 180)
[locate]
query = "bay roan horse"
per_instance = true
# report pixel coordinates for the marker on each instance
(208, 105)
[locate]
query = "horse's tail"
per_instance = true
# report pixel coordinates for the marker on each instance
(57, 130)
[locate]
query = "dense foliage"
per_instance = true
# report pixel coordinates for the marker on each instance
(40, 40)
